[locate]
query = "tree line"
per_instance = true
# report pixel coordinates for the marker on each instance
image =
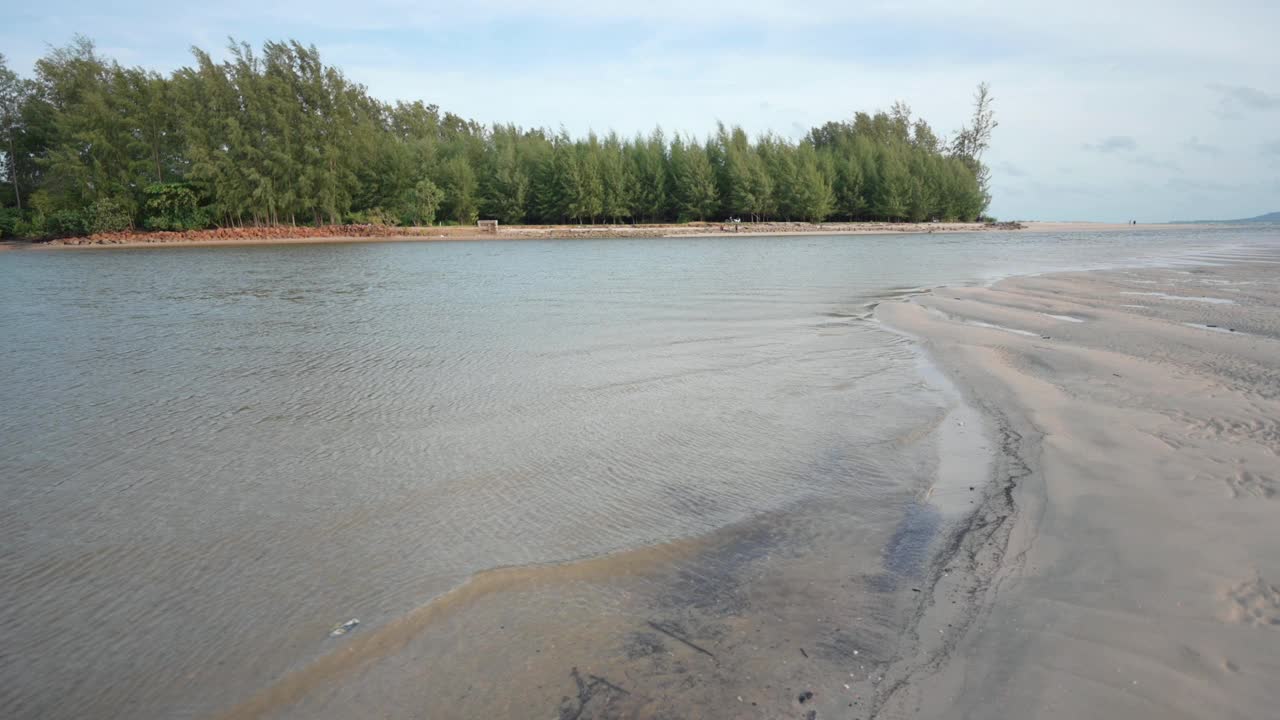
(277, 137)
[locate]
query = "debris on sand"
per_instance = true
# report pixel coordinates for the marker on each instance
(344, 628)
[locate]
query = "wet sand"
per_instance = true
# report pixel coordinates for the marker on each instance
(1126, 562)
(1082, 226)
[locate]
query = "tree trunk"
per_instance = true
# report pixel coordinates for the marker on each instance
(13, 170)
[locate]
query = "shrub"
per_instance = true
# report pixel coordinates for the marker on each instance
(9, 219)
(174, 206)
(107, 215)
(23, 229)
(372, 216)
(64, 223)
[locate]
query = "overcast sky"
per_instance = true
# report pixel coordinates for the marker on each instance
(1108, 110)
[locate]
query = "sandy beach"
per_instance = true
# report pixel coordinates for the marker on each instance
(1125, 562)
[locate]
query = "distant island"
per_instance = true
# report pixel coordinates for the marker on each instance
(1271, 217)
(278, 139)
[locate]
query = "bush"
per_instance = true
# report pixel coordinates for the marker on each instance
(378, 216)
(197, 219)
(27, 230)
(372, 216)
(64, 223)
(9, 219)
(107, 215)
(174, 206)
(157, 222)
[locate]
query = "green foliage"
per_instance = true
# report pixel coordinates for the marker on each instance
(173, 206)
(422, 203)
(275, 136)
(106, 215)
(693, 180)
(61, 223)
(10, 219)
(30, 229)
(373, 216)
(460, 187)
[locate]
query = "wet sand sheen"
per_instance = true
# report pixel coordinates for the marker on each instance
(763, 610)
(1138, 574)
(392, 637)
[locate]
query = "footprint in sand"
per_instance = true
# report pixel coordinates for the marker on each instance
(1255, 602)
(1245, 484)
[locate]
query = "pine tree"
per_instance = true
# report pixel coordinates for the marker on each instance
(276, 136)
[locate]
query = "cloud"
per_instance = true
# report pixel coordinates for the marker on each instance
(1271, 148)
(1195, 146)
(1114, 143)
(1235, 97)
(1156, 163)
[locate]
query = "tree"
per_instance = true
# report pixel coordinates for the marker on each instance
(650, 176)
(813, 199)
(14, 92)
(616, 190)
(273, 135)
(895, 184)
(460, 190)
(736, 171)
(507, 182)
(424, 200)
(590, 198)
(851, 179)
(974, 139)
(693, 180)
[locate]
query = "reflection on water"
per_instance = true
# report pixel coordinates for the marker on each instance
(635, 477)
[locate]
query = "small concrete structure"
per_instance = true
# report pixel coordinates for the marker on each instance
(488, 226)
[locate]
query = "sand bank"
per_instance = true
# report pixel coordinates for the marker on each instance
(1078, 226)
(281, 236)
(364, 234)
(1126, 561)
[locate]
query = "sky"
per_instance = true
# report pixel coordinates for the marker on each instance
(1117, 110)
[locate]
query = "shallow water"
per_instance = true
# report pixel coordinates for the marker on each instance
(611, 452)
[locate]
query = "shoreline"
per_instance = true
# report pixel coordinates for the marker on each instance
(1120, 563)
(588, 232)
